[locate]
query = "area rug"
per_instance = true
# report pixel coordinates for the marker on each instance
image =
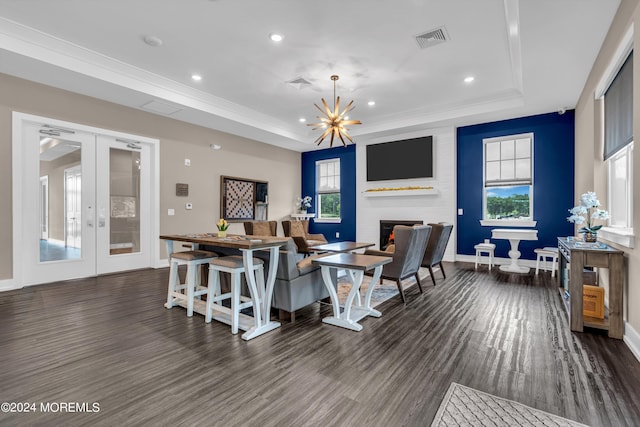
(464, 406)
(381, 292)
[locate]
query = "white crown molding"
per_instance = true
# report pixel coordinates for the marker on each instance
(43, 47)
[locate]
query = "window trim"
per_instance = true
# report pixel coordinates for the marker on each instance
(529, 222)
(318, 218)
(621, 235)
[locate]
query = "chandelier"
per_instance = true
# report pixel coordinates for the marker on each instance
(334, 122)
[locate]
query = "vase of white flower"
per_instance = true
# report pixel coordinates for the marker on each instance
(302, 204)
(588, 210)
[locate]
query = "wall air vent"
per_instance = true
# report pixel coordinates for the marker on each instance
(432, 37)
(300, 82)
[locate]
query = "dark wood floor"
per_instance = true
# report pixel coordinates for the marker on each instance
(109, 340)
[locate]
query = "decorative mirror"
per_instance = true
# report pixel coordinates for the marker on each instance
(243, 199)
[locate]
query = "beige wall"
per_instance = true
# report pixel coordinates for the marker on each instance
(238, 157)
(590, 169)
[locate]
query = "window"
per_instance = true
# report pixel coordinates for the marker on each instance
(508, 183)
(620, 179)
(328, 189)
(618, 154)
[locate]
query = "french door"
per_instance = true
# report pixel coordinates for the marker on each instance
(98, 199)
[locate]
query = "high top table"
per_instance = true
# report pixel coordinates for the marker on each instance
(355, 265)
(341, 246)
(260, 296)
(514, 235)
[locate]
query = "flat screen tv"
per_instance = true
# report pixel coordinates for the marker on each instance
(409, 158)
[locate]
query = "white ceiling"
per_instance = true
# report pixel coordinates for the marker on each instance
(527, 57)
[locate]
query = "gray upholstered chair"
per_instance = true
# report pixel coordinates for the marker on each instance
(410, 245)
(436, 246)
(298, 282)
(261, 228)
(299, 231)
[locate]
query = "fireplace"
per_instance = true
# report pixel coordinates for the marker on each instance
(386, 227)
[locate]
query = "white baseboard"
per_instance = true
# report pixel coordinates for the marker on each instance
(496, 261)
(632, 339)
(8, 285)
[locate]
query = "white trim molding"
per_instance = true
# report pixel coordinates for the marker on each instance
(507, 223)
(8, 285)
(614, 235)
(632, 340)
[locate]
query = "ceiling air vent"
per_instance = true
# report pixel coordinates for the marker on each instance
(300, 82)
(432, 38)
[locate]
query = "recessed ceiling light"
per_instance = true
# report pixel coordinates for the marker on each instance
(275, 37)
(302, 120)
(469, 79)
(371, 103)
(215, 146)
(152, 41)
(196, 77)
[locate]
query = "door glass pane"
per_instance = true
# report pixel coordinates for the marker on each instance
(60, 210)
(124, 192)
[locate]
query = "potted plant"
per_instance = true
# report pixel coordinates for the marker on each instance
(222, 227)
(303, 203)
(587, 210)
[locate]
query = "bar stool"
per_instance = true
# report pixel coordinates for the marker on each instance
(233, 265)
(192, 287)
(487, 248)
(543, 254)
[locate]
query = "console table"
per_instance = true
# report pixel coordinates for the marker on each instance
(574, 256)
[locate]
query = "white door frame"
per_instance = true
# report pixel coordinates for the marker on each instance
(19, 121)
(44, 207)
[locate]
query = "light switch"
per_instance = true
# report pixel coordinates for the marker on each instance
(171, 212)
(188, 206)
(460, 212)
(187, 162)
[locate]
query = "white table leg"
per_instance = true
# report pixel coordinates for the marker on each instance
(514, 254)
(260, 297)
(352, 314)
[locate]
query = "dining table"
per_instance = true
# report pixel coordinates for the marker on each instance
(345, 246)
(514, 236)
(355, 266)
(261, 295)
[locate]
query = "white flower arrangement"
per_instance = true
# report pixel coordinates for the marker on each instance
(586, 211)
(303, 203)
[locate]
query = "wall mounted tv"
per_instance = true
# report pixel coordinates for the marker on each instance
(409, 158)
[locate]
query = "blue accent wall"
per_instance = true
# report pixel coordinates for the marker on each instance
(553, 180)
(347, 156)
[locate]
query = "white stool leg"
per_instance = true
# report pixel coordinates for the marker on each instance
(235, 302)
(537, 264)
(477, 257)
(553, 266)
(173, 280)
(191, 286)
(490, 259)
(212, 291)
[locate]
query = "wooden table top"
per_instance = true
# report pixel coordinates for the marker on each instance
(341, 246)
(353, 261)
(231, 241)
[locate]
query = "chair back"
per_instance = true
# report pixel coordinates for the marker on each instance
(411, 243)
(437, 244)
(295, 228)
(261, 228)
